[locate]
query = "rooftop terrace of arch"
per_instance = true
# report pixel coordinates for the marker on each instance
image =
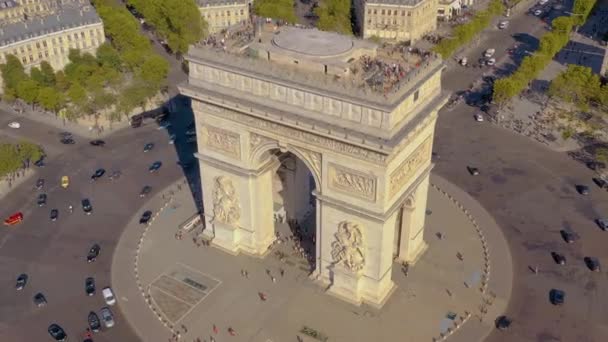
(377, 74)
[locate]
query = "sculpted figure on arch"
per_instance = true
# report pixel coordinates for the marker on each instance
(226, 208)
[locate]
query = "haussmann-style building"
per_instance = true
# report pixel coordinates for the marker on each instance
(349, 129)
(400, 20)
(221, 14)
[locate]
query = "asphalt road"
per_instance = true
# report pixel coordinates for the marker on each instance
(53, 254)
(530, 190)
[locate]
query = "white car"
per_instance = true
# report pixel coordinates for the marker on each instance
(108, 296)
(489, 53)
(491, 61)
(478, 117)
(463, 61)
(538, 13)
(14, 124)
(107, 317)
(542, 2)
(503, 24)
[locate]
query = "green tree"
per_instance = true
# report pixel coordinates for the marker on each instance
(13, 73)
(48, 74)
(334, 15)
(154, 71)
(277, 9)
(108, 56)
(51, 99)
(77, 94)
(28, 91)
(504, 89)
(61, 81)
(576, 84)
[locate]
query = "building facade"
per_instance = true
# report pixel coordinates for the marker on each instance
(221, 14)
(51, 37)
(362, 125)
(448, 9)
(401, 20)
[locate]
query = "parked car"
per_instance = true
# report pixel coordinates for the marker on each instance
(538, 12)
(602, 223)
(21, 281)
(107, 317)
(89, 286)
(108, 296)
(557, 297)
(491, 61)
(39, 300)
(145, 191)
(559, 259)
(41, 200)
(489, 53)
(94, 323)
(145, 217)
(93, 253)
(86, 206)
(592, 263)
(57, 332)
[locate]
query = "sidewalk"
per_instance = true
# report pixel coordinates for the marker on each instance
(163, 284)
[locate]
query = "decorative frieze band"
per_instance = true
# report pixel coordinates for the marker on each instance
(222, 141)
(352, 182)
(406, 170)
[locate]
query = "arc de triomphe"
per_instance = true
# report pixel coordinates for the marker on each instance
(360, 118)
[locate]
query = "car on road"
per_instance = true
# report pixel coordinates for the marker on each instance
(107, 317)
(86, 206)
(538, 12)
(14, 124)
(108, 296)
(93, 253)
(14, 219)
(489, 53)
(97, 174)
(557, 297)
(40, 183)
(473, 171)
(155, 166)
(67, 141)
(191, 132)
(164, 125)
(145, 217)
(602, 223)
(502, 323)
(592, 263)
(478, 117)
(582, 189)
(89, 286)
(503, 24)
(491, 61)
(39, 162)
(148, 147)
(65, 182)
(65, 134)
(145, 191)
(568, 236)
(463, 61)
(94, 323)
(41, 200)
(191, 139)
(57, 332)
(54, 214)
(601, 183)
(559, 259)
(97, 142)
(115, 175)
(542, 2)
(172, 139)
(39, 300)
(21, 281)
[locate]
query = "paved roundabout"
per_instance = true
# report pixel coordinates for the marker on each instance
(167, 286)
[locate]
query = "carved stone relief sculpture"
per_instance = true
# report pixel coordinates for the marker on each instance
(222, 141)
(347, 249)
(353, 183)
(404, 172)
(226, 207)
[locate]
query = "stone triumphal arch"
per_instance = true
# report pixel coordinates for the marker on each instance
(360, 118)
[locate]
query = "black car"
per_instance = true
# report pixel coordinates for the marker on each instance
(568, 236)
(557, 297)
(582, 189)
(145, 217)
(145, 191)
(592, 263)
(600, 183)
(39, 162)
(39, 300)
(68, 141)
(57, 332)
(86, 206)
(559, 259)
(94, 323)
(148, 147)
(21, 281)
(40, 183)
(41, 200)
(503, 323)
(98, 173)
(97, 142)
(473, 170)
(93, 253)
(89, 286)
(54, 214)
(155, 166)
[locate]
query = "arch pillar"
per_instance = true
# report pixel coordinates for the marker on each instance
(413, 216)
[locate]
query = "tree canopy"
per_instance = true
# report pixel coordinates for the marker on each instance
(277, 9)
(335, 15)
(15, 156)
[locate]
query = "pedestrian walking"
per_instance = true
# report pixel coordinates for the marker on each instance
(262, 296)
(282, 271)
(231, 331)
(274, 280)
(246, 274)
(215, 330)
(242, 272)
(185, 329)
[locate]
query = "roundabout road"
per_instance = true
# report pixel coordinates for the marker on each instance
(53, 254)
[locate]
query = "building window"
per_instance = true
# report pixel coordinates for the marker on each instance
(22, 49)
(416, 95)
(228, 13)
(46, 54)
(389, 12)
(241, 12)
(37, 45)
(403, 13)
(382, 12)
(76, 36)
(62, 50)
(44, 43)
(39, 55)
(375, 11)
(82, 34)
(55, 51)
(31, 58)
(29, 47)
(69, 38)
(24, 60)
(60, 39)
